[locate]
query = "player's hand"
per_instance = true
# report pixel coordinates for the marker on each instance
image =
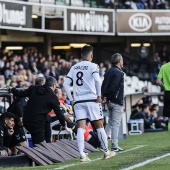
(104, 100)
(72, 103)
(10, 131)
(99, 99)
(67, 117)
(3, 153)
(9, 152)
(63, 128)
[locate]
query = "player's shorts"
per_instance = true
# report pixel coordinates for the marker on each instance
(88, 109)
(18, 136)
(166, 108)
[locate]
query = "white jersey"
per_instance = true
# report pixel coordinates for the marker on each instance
(83, 81)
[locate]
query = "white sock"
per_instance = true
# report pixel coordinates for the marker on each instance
(80, 141)
(103, 139)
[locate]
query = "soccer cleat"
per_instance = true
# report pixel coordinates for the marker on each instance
(84, 159)
(117, 149)
(109, 155)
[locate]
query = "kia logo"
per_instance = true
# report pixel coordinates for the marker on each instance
(140, 22)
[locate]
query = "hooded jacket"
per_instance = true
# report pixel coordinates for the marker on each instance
(41, 101)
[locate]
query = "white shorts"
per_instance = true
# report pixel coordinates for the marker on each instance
(91, 110)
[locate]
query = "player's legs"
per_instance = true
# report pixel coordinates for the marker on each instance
(166, 108)
(81, 116)
(101, 134)
(80, 136)
(96, 115)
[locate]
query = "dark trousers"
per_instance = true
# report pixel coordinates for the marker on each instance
(37, 132)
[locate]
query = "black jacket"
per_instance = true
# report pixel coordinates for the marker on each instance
(41, 101)
(17, 107)
(113, 85)
(4, 137)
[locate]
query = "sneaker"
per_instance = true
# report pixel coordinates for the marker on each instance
(84, 159)
(117, 149)
(111, 154)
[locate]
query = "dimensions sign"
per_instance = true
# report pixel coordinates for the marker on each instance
(90, 21)
(12, 14)
(147, 22)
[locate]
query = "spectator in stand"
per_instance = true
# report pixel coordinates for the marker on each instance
(65, 99)
(140, 4)
(50, 60)
(129, 4)
(64, 109)
(164, 54)
(6, 129)
(34, 68)
(135, 109)
(145, 115)
(2, 62)
(102, 70)
(46, 73)
(108, 3)
(25, 61)
(160, 121)
(45, 66)
(160, 4)
(53, 72)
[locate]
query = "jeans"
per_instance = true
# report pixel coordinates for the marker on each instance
(115, 116)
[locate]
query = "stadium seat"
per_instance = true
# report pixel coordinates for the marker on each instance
(48, 1)
(34, 1)
(75, 2)
(67, 131)
(136, 126)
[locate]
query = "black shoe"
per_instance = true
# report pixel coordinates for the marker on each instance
(117, 149)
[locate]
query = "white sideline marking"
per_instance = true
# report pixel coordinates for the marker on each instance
(146, 162)
(70, 165)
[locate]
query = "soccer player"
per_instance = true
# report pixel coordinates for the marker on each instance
(87, 100)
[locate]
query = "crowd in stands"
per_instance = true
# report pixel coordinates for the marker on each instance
(149, 112)
(119, 4)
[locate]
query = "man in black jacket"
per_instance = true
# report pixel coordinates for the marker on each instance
(17, 108)
(41, 101)
(113, 93)
(6, 131)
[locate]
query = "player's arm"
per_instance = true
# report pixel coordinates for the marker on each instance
(25, 93)
(159, 78)
(159, 82)
(98, 86)
(66, 85)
